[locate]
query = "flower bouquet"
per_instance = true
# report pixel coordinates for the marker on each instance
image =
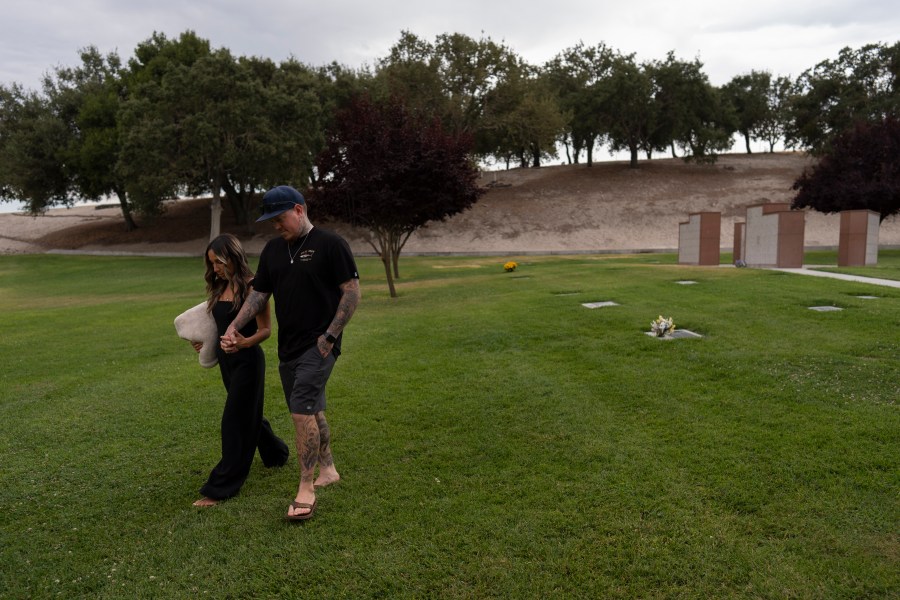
(510, 266)
(662, 326)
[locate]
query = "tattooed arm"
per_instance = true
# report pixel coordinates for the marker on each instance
(350, 295)
(253, 305)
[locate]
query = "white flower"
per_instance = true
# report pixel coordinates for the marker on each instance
(662, 326)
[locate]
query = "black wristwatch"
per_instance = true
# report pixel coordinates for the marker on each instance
(329, 338)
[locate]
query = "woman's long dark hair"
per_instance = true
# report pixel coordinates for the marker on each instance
(228, 248)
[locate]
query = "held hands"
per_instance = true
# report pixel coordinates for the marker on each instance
(232, 341)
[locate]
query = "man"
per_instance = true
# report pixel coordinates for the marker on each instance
(313, 277)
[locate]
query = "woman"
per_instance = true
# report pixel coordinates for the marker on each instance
(244, 429)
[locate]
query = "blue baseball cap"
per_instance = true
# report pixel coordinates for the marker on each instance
(278, 200)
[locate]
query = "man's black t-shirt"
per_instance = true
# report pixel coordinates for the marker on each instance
(307, 292)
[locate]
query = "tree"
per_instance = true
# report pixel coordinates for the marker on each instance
(861, 170)
(628, 98)
(292, 117)
(87, 99)
(862, 84)
(711, 126)
(149, 130)
(335, 89)
(453, 78)
(690, 112)
(576, 73)
(32, 139)
(775, 124)
(390, 169)
(212, 107)
(749, 96)
(522, 120)
(672, 80)
(469, 69)
(214, 124)
(245, 125)
(410, 71)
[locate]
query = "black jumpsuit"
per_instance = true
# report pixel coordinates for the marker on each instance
(244, 429)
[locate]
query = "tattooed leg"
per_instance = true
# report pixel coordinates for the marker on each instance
(306, 435)
(327, 473)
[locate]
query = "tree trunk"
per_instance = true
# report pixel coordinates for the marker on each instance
(383, 247)
(130, 225)
(395, 254)
(387, 260)
(590, 155)
(672, 145)
(747, 142)
(634, 158)
(248, 214)
(398, 248)
(247, 217)
(215, 219)
(239, 203)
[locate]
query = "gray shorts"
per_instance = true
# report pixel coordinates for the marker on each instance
(304, 379)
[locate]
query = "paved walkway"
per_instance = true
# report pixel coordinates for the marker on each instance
(873, 280)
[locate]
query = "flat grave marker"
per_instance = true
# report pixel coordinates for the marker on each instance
(600, 304)
(675, 335)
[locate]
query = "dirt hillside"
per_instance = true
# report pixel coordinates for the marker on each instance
(556, 209)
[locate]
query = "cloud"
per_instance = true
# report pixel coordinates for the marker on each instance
(730, 38)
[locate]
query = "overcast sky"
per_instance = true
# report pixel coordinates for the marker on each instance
(730, 37)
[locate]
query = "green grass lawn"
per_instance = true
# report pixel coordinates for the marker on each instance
(495, 438)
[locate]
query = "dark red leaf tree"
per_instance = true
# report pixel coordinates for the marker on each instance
(390, 170)
(860, 171)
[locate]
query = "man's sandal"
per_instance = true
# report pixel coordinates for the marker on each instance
(302, 516)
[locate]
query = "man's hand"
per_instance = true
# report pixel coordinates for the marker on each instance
(324, 346)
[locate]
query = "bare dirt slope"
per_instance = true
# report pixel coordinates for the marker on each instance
(568, 208)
